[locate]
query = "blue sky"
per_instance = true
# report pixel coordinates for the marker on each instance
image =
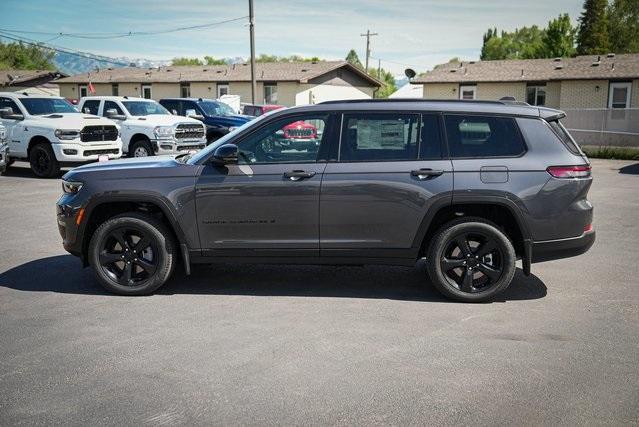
(413, 33)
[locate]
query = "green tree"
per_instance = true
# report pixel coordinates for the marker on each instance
(385, 77)
(20, 56)
(593, 38)
(623, 26)
(292, 58)
(353, 59)
(209, 60)
(559, 38)
(186, 61)
(523, 43)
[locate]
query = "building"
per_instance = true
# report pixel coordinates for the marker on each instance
(407, 91)
(584, 82)
(286, 83)
(40, 82)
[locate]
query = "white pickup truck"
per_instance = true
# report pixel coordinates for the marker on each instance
(147, 127)
(50, 133)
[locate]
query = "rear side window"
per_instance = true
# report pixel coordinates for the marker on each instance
(565, 137)
(483, 136)
(379, 137)
(91, 107)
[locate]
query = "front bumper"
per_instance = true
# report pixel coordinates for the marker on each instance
(172, 146)
(66, 216)
(563, 248)
(73, 152)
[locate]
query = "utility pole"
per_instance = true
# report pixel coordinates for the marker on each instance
(368, 36)
(252, 32)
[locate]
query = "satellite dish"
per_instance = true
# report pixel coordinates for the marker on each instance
(410, 73)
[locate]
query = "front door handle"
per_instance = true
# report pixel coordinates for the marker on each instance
(426, 173)
(297, 175)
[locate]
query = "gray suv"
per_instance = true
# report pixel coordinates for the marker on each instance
(471, 186)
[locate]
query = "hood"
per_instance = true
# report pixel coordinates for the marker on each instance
(161, 120)
(69, 120)
(230, 120)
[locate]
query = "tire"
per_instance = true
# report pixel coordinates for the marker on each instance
(43, 162)
(473, 272)
(139, 148)
(151, 264)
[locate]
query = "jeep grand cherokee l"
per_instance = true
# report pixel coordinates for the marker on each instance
(470, 186)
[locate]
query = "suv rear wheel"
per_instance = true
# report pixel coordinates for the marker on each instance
(132, 254)
(43, 162)
(471, 260)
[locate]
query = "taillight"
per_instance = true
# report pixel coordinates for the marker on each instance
(588, 228)
(581, 171)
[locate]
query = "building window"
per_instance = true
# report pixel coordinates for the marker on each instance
(222, 89)
(115, 89)
(270, 93)
(83, 91)
(467, 92)
(619, 95)
(185, 90)
(536, 94)
(146, 91)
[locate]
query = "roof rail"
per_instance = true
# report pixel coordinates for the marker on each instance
(391, 100)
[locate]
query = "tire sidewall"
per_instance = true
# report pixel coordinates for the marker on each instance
(161, 240)
(463, 226)
(53, 168)
(141, 144)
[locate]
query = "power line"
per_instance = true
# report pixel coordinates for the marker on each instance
(395, 62)
(103, 35)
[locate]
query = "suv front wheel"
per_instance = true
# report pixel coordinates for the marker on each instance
(132, 254)
(471, 260)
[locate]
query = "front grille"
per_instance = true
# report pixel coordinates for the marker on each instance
(189, 147)
(99, 133)
(189, 131)
(88, 153)
(300, 133)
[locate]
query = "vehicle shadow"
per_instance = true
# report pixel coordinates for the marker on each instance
(630, 169)
(22, 170)
(64, 274)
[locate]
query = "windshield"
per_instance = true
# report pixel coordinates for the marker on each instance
(144, 108)
(216, 108)
(226, 139)
(40, 106)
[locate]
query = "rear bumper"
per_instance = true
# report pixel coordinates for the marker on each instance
(563, 248)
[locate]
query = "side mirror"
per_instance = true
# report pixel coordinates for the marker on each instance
(7, 113)
(86, 110)
(225, 154)
(112, 114)
(193, 114)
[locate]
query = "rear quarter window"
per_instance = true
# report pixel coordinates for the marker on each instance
(472, 136)
(565, 137)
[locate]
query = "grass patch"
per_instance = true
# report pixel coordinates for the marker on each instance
(618, 153)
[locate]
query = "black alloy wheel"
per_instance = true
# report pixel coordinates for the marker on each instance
(127, 256)
(43, 162)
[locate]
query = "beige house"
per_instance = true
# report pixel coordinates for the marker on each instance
(35, 82)
(584, 82)
(289, 84)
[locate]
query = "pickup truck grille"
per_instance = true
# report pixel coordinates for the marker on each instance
(189, 131)
(99, 133)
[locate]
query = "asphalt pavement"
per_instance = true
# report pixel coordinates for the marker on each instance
(263, 345)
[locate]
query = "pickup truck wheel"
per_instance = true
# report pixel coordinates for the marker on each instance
(471, 260)
(132, 254)
(141, 149)
(43, 162)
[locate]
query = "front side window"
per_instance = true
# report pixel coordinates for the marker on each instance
(483, 136)
(41, 106)
(288, 140)
(379, 137)
(8, 103)
(536, 95)
(110, 105)
(91, 107)
(144, 108)
(270, 93)
(216, 108)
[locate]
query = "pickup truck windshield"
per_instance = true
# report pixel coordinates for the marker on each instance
(144, 108)
(216, 108)
(41, 106)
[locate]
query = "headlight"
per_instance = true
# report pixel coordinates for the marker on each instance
(163, 131)
(71, 187)
(66, 134)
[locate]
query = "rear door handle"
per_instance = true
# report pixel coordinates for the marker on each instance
(426, 173)
(297, 175)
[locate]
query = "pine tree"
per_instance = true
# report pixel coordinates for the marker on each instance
(623, 17)
(593, 29)
(353, 59)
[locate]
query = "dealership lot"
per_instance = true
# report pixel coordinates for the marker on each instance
(317, 345)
